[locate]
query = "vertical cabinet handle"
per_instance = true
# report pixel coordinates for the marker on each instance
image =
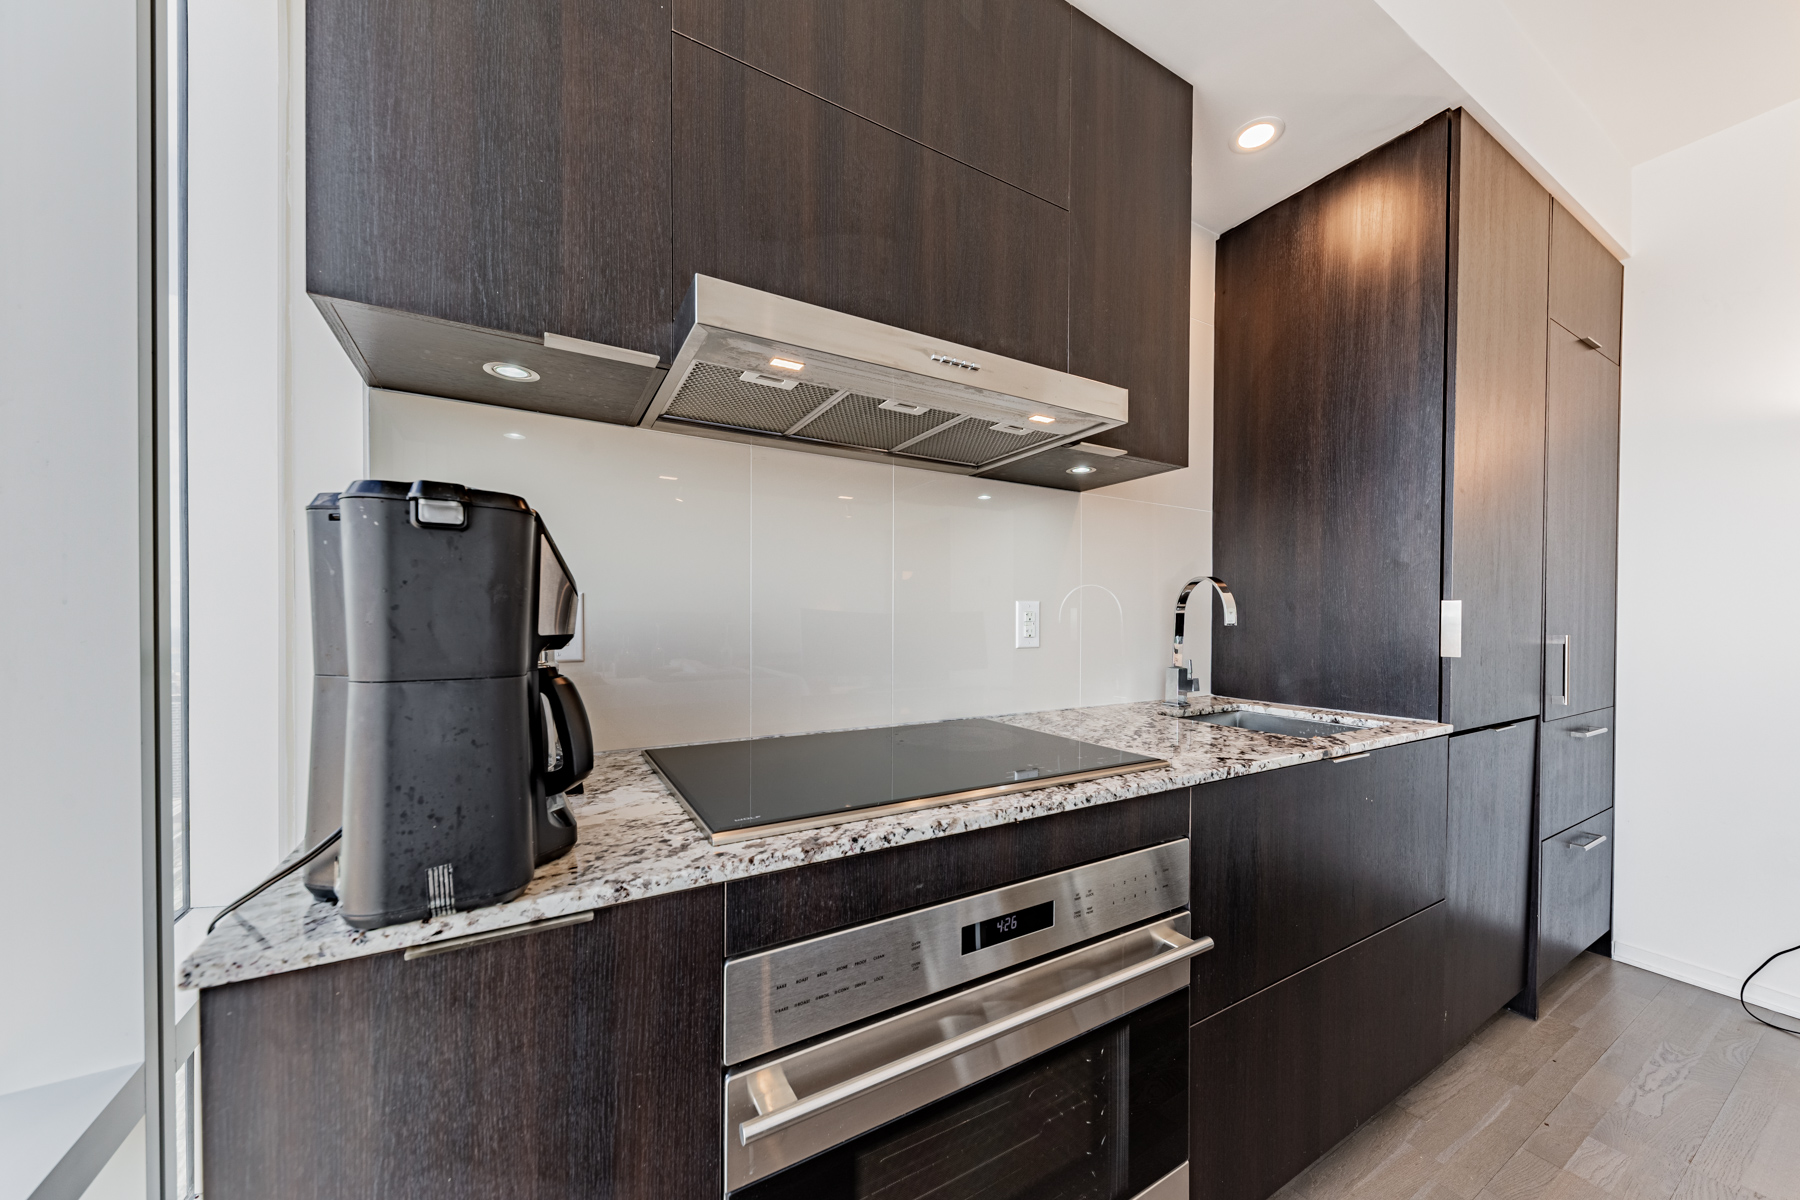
(1568, 655)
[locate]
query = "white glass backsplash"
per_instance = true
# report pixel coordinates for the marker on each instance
(735, 590)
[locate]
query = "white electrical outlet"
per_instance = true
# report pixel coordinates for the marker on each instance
(1025, 624)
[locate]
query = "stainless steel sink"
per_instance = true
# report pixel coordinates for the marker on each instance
(1262, 722)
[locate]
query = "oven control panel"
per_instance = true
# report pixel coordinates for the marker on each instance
(778, 997)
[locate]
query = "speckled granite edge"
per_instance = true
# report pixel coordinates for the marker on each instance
(636, 840)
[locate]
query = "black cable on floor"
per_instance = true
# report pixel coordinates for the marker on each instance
(283, 871)
(1746, 1007)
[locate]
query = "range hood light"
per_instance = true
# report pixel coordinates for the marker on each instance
(1041, 419)
(512, 372)
(1081, 470)
(786, 364)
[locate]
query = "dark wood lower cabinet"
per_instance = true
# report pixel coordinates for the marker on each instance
(1574, 893)
(576, 1062)
(1290, 866)
(1488, 871)
(1280, 1077)
(1576, 775)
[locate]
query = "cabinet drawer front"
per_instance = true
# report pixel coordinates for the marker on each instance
(1291, 866)
(1281, 1077)
(1575, 900)
(1576, 775)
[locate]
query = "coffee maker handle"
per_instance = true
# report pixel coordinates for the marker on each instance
(572, 730)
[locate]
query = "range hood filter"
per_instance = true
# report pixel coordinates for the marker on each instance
(849, 386)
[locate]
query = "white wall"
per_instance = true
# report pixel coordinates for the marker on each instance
(1708, 815)
(734, 591)
(70, 807)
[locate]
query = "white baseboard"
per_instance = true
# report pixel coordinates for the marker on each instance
(1713, 981)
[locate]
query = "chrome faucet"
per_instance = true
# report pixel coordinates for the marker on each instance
(1180, 680)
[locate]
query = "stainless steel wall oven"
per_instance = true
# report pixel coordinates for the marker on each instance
(1029, 1042)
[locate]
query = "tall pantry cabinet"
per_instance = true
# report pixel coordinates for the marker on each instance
(1415, 480)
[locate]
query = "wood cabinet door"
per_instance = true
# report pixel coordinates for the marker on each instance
(1587, 284)
(499, 165)
(1291, 866)
(1281, 1077)
(779, 190)
(1494, 563)
(1328, 436)
(1575, 770)
(1581, 527)
(578, 1061)
(1575, 893)
(1130, 233)
(986, 83)
(1488, 867)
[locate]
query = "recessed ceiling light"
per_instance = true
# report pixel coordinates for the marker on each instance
(1081, 470)
(517, 437)
(786, 364)
(1258, 134)
(1041, 419)
(510, 371)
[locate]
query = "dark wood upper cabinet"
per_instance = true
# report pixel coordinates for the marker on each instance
(1488, 874)
(1130, 236)
(1328, 436)
(1587, 284)
(779, 190)
(504, 166)
(1378, 434)
(1493, 564)
(1581, 527)
(1291, 866)
(986, 82)
(1004, 174)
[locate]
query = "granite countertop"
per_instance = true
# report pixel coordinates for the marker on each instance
(636, 840)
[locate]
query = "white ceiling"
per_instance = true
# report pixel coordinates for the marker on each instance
(1655, 75)
(1659, 74)
(1341, 73)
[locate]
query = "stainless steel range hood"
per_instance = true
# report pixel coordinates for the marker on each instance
(756, 367)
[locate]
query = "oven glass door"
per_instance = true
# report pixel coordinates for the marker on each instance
(1102, 1117)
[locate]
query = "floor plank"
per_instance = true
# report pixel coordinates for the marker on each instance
(1629, 1086)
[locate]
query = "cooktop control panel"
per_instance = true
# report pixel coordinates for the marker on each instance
(778, 997)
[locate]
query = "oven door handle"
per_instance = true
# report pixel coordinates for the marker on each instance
(1180, 948)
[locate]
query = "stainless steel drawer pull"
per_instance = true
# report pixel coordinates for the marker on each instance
(1587, 733)
(1589, 342)
(1352, 757)
(841, 1093)
(495, 935)
(1593, 839)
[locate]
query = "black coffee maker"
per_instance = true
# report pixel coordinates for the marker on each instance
(458, 737)
(331, 670)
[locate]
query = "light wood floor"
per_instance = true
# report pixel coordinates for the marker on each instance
(1628, 1086)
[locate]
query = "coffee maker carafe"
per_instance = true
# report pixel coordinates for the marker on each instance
(458, 741)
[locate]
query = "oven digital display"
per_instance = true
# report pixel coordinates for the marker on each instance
(1008, 926)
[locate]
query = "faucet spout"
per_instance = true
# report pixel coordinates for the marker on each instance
(1180, 681)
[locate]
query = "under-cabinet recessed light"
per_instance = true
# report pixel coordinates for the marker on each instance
(512, 372)
(517, 437)
(1081, 470)
(1041, 419)
(984, 496)
(846, 497)
(786, 364)
(670, 478)
(1255, 135)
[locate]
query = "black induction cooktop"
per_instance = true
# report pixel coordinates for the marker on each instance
(759, 787)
